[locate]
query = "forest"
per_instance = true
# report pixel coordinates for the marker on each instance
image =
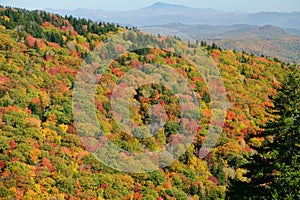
(43, 153)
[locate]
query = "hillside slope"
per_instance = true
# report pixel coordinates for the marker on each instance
(260, 40)
(41, 153)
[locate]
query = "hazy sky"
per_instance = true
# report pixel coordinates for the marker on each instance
(109, 5)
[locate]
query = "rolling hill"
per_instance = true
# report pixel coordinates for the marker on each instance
(45, 152)
(260, 40)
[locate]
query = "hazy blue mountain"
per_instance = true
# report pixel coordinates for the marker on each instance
(219, 31)
(83, 13)
(162, 13)
(286, 20)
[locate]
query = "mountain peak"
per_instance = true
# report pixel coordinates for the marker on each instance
(163, 5)
(159, 4)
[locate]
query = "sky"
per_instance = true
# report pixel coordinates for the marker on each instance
(118, 5)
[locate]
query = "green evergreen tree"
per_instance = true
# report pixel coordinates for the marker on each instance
(274, 171)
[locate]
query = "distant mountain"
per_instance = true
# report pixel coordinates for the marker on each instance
(268, 40)
(162, 13)
(83, 13)
(219, 31)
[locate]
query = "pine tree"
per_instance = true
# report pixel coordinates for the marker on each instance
(274, 171)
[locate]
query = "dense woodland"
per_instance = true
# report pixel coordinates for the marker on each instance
(43, 157)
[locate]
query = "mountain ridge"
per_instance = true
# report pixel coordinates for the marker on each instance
(153, 14)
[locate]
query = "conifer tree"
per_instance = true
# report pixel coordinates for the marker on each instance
(274, 171)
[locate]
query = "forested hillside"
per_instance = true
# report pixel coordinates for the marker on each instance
(268, 41)
(41, 153)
